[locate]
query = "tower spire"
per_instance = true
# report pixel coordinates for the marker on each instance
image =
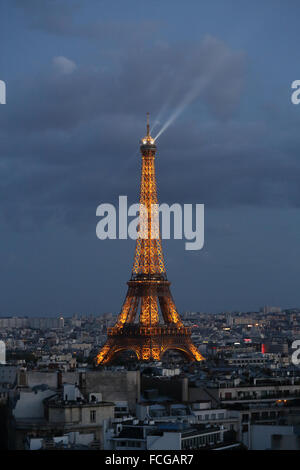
(148, 126)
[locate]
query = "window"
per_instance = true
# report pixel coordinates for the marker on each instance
(121, 443)
(133, 444)
(93, 416)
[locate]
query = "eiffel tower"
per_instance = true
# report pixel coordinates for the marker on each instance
(140, 326)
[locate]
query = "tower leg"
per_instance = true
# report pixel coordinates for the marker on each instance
(112, 347)
(184, 346)
(148, 348)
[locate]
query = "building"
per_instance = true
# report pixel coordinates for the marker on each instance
(117, 385)
(274, 437)
(264, 390)
(268, 309)
(42, 413)
(8, 375)
(244, 360)
(149, 435)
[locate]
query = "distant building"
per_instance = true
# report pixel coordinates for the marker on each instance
(276, 347)
(229, 319)
(13, 322)
(46, 323)
(244, 360)
(269, 309)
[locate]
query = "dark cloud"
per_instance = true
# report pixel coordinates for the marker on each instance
(52, 16)
(69, 137)
(143, 78)
(57, 18)
(80, 78)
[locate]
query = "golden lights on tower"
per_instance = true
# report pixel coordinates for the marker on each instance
(148, 288)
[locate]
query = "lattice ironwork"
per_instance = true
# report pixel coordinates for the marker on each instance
(138, 326)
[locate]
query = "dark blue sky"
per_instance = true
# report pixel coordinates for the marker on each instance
(80, 77)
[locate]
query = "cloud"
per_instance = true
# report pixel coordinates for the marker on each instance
(59, 18)
(145, 78)
(68, 139)
(64, 65)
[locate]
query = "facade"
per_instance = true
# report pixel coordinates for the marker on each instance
(114, 385)
(197, 413)
(268, 392)
(274, 437)
(245, 360)
(8, 375)
(42, 413)
(150, 435)
(34, 322)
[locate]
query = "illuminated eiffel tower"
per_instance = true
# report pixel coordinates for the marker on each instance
(140, 327)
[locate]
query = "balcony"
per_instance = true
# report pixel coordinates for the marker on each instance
(159, 330)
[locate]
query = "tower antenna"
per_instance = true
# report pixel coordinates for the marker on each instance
(148, 125)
